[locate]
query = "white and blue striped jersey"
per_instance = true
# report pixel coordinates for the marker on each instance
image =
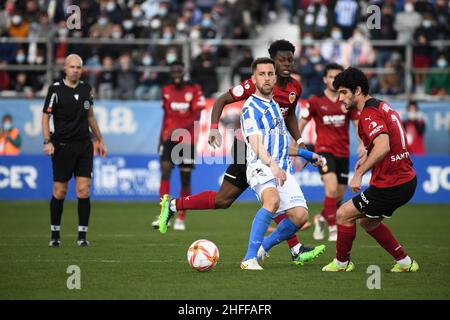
(264, 117)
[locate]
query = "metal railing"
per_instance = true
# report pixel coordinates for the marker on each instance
(186, 46)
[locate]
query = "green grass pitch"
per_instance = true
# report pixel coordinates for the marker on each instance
(129, 260)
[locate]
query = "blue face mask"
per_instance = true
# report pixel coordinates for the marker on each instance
(7, 126)
(206, 23)
(171, 58)
(442, 63)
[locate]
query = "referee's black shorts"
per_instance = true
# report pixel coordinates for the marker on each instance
(72, 159)
(382, 202)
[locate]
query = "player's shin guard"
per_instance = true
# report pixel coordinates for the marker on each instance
(293, 240)
(344, 242)
(259, 227)
(385, 238)
(84, 211)
(200, 201)
(285, 229)
(56, 209)
(329, 211)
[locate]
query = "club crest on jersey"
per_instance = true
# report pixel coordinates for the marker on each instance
(292, 97)
(188, 96)
(238, 91)
(86, 105)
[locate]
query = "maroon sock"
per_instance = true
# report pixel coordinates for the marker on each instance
(344, 242)
(385, 238)
(200, 201)
(293, 240)
(329, 210)
(183, 193)
(164, 187)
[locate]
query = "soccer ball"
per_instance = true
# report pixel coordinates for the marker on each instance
(203, 255)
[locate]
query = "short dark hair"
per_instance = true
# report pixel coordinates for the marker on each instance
(332, 66)
(280, 45)
(352, 78)
(177, 63)
(262, 61)
(7, 116)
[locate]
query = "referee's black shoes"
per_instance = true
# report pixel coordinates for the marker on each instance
(83, 243)
(55, 243)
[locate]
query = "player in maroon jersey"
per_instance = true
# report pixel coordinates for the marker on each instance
(286, 92)
(332, 129)
(393, 180)
(182, 103)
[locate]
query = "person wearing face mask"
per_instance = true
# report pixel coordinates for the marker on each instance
(415, 126)
(406, 22)
(148, 81)
(332, 48)
(18, 27)
(439, 83)
(10, 139)
(358, 51)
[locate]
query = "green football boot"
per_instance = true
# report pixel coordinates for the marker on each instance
(308, 254)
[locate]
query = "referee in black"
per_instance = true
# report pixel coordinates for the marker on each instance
(69, 104)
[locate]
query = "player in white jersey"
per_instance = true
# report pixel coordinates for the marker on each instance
(269, 168)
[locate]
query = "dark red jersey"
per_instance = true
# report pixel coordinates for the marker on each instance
(377, 117)
(286, 97)
(182, 108)
(332, 121)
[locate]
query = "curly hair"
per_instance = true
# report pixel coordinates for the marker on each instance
(352, 78)
(280, 45)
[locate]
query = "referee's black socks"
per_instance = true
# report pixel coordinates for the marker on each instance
(84, 211)
(56, 209)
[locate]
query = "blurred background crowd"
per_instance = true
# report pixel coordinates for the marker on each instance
(144, 36)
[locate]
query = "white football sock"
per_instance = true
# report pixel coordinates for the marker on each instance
(405, 261)
(296, 249)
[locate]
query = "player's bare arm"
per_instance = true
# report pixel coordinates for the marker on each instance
(96, 131)
(258, 147)
(380, 149)
(49, 149)
(215, 138)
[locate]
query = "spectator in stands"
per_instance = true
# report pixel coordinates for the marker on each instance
(443, 19)
(204, 71)
(207, 27)
(10, 139)
(148, 81)
(106, 82)
(311, 69)
(18, 27)
(387, 32)
(346, 15)
(358, 51)
(439, 83)
(31, 13)
(424, 7)
(21, 84)
(7, 50)
(126, 78)
(112, 10)
(317, 19)
(406, 22)
(415, 126)
(243, 67)
(332, 48)
(422, 51)
(101, 29)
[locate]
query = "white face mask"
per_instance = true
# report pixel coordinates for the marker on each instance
(39, 59)
(195, 34)
(16, 19)
(336, 35)
(128, 24)
(409, 7)
(427, 23)
(181, 26)
(155, 24)
(20, 58)
(308, 41)
(171, 58)
(315, 59)
(136, 13)
(116, 35)
(7, 125)
(146, 61)
(442, 63)
(110, 6)
(103, 21)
